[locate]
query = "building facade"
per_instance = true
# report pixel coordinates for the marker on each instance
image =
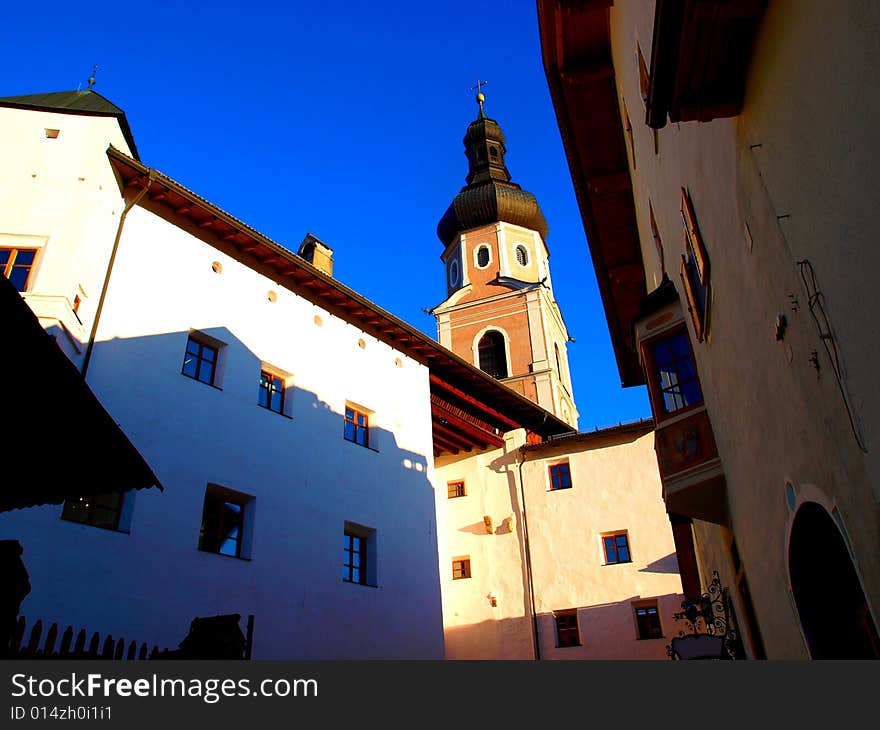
(558, 550)
(724, 166)
(300, 432)
(290, 421)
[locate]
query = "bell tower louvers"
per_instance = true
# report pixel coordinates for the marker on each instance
(500, 312)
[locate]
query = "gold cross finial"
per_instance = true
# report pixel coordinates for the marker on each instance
(480, 96)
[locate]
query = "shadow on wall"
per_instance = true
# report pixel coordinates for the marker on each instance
(604, 631)
(308, 473)
(667, 564)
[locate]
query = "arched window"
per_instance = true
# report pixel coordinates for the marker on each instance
(483, 257)
(834, 614)
(522, 256)
(492, 354)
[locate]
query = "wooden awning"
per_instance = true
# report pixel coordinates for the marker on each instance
(58, 440)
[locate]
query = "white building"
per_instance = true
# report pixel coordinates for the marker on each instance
(289, 420)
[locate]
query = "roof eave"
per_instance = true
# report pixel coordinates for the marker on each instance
(304, 279)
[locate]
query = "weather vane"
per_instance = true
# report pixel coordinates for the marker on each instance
(480, 96)
(92, 77)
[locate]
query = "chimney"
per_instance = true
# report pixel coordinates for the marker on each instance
(317, 253)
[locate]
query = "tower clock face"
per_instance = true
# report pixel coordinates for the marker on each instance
(454, 273)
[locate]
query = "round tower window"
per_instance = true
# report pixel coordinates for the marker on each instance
(483, 257)
(453, 273)
(522, 256)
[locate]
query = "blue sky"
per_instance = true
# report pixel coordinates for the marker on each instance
(340, 119)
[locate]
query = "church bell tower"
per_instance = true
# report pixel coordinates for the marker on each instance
(500, 313)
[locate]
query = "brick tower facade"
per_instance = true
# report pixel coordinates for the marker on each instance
(500, 312)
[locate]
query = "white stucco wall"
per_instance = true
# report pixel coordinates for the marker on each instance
(60, 196)
(616, 486)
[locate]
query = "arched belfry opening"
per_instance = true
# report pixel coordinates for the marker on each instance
(493, 354)
(834, 614)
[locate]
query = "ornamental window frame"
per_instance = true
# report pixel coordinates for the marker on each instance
(695, 270)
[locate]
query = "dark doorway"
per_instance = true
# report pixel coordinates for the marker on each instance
(493, 358)
(832, 607)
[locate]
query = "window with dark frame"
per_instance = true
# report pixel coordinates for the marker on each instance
(359, 557)
(354, 562)
(567, 631)
(200, 361)
(272, 391)
(97, 510)
(560, 476)
(456, 489)
(648, 622)
(675, 373)
(16, 264)
(483, 256)
(616, 548)
(223, 522)
(461, 568)
(356, 427)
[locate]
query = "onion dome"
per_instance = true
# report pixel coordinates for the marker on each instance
(489, 196)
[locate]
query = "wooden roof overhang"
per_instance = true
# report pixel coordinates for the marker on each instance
(699, 59)
(50, 458)
(576, 50)
(470, 409)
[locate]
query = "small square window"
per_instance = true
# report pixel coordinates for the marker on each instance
(272, 392)
(567, 631)
(356, 426)
(456, 489)
(358, 554)
(648, 621)
(461, 568)
(16, 265)
(226, 519)
(200, 360)
(97, 510)
(616, 548)
(560, 476)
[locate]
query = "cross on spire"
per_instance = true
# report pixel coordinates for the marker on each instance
(480, 97)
